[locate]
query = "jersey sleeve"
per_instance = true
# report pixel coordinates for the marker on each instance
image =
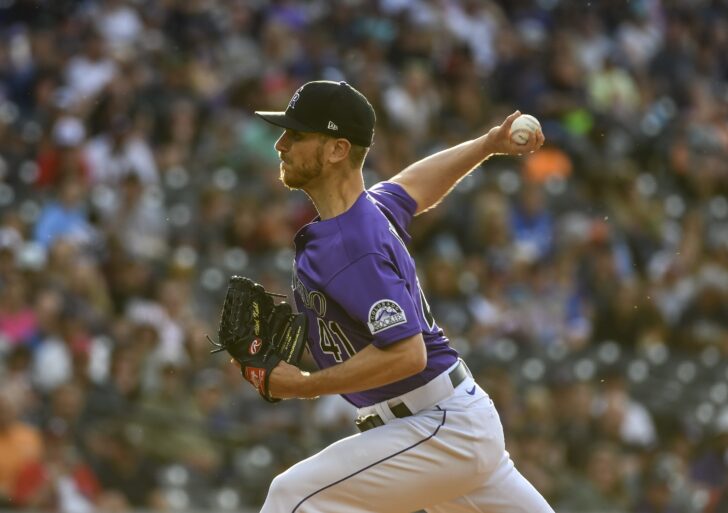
(372, 292)
(394, 201)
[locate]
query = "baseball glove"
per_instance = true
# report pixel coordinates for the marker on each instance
(257, 333)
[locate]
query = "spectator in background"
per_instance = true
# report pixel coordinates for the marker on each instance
(531, 223)
(709, 470)
(61, 480)
(118, 394)
(120, 25)
(160, 336)
(137, 220)
(414, 105)
(65, 217)
(640, 34)
(11, 243)
(210, 400)
(18, 320)
(16, 383)
(89, 72)
(629, 319)
(592, 44)
(120, 152)
(477, 24)
(175, 430)
(704, 322)
(619, 417)
(65, 411)
(447, 299)
(544, 454)
(612, 88)
(573, 402)
(20, 444)
(52, 358)
(129, 479)
(600, 486)
(64, 157)
(664, 488)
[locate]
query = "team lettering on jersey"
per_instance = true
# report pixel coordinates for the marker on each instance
(313, 300)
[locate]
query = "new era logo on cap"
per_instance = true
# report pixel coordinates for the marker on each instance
(333, 108)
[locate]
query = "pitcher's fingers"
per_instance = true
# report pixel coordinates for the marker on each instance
(510, 119)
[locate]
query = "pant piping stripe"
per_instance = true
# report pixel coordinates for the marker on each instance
(444, 416)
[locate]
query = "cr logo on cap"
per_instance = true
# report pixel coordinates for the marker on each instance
(294, 99)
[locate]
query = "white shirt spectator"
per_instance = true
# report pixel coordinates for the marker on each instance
(641, 38)
(120, 25)
(414, 104)
(137, 217)
(171, 335)
(637, 426)
(87, 77)
(52, 365)
(478, 29)
(592, 45)
(109, 165)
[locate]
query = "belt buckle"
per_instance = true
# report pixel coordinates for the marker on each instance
(368, 422)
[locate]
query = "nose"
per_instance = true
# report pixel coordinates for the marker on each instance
(283, 143)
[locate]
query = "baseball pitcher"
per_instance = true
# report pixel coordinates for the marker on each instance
(430, 437)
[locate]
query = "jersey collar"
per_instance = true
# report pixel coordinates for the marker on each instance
(318, 228)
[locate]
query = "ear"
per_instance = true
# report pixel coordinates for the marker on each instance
(338, 150)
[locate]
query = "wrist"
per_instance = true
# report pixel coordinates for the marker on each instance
(486, 145)
(298, 386)
(290, 382)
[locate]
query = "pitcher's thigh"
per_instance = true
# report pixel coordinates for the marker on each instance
(505, 491)
(396, 468)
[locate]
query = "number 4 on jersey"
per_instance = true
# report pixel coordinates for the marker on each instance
(333, 340)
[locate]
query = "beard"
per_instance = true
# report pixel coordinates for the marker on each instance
(297, 177)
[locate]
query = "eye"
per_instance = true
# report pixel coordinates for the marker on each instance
(295, 135)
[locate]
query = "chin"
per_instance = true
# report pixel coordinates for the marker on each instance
(288, 180)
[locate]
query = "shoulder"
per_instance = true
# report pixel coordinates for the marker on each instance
(371, 227)
(367, 232)
(392, 196)
(382, 220)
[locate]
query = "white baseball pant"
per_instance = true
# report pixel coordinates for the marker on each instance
(449, 458)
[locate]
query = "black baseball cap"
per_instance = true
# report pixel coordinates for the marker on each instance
(332, 108)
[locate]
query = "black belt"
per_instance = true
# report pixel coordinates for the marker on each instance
(457, 375)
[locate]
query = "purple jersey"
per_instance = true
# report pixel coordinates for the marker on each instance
(356, 282)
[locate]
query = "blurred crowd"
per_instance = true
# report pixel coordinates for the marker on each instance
(586, 285)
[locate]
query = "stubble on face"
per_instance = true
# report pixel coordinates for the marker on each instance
(297, 176)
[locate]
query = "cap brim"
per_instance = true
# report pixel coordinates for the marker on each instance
(282, 120)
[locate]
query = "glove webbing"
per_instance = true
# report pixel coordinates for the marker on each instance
(233, 320)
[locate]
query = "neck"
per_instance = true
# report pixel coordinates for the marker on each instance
(336, 193)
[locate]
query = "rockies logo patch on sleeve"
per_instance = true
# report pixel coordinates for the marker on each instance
(384, 314)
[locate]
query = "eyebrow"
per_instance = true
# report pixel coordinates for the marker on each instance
(295, 133)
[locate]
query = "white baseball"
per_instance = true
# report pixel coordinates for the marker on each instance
(522, 128)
